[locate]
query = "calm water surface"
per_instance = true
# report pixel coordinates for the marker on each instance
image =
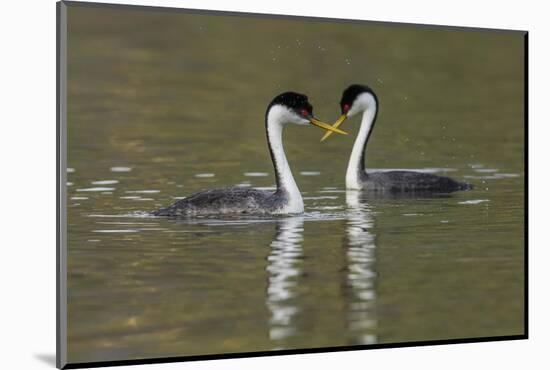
(162, 105)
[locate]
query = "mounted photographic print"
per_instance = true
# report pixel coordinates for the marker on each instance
(234, 184)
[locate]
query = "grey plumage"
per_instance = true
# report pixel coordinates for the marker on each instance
(409, 181)
(235, 200)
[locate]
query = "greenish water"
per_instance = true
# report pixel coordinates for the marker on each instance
(161, 105)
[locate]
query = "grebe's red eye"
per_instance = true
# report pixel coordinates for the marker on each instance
(304, 113)
(346, 108)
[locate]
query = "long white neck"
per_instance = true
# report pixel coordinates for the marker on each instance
(356, 164)
(276, 119)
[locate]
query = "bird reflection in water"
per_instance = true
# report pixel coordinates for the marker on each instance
(360, 248)
(283, 267)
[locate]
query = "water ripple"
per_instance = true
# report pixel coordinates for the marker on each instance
(105, 182)
(98, 188)
(474, 201)
(121, 169)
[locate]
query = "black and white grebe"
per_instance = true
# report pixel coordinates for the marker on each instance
(361, 99)
(289, 107)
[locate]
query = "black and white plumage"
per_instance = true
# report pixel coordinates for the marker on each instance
(285, 108)
(361, 99)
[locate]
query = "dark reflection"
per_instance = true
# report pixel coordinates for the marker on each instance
(283, 267)
(360, 274)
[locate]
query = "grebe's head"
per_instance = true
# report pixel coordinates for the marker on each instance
(355, 99)
(291, 107)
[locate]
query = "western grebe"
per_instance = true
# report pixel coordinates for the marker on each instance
(288, 107)
(357, 99)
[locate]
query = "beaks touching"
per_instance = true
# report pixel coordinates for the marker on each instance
(335, 126)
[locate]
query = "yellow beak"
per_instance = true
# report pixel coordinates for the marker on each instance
(335, 126)
(330, 129)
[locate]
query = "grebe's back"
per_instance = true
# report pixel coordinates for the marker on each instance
(235, 200)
